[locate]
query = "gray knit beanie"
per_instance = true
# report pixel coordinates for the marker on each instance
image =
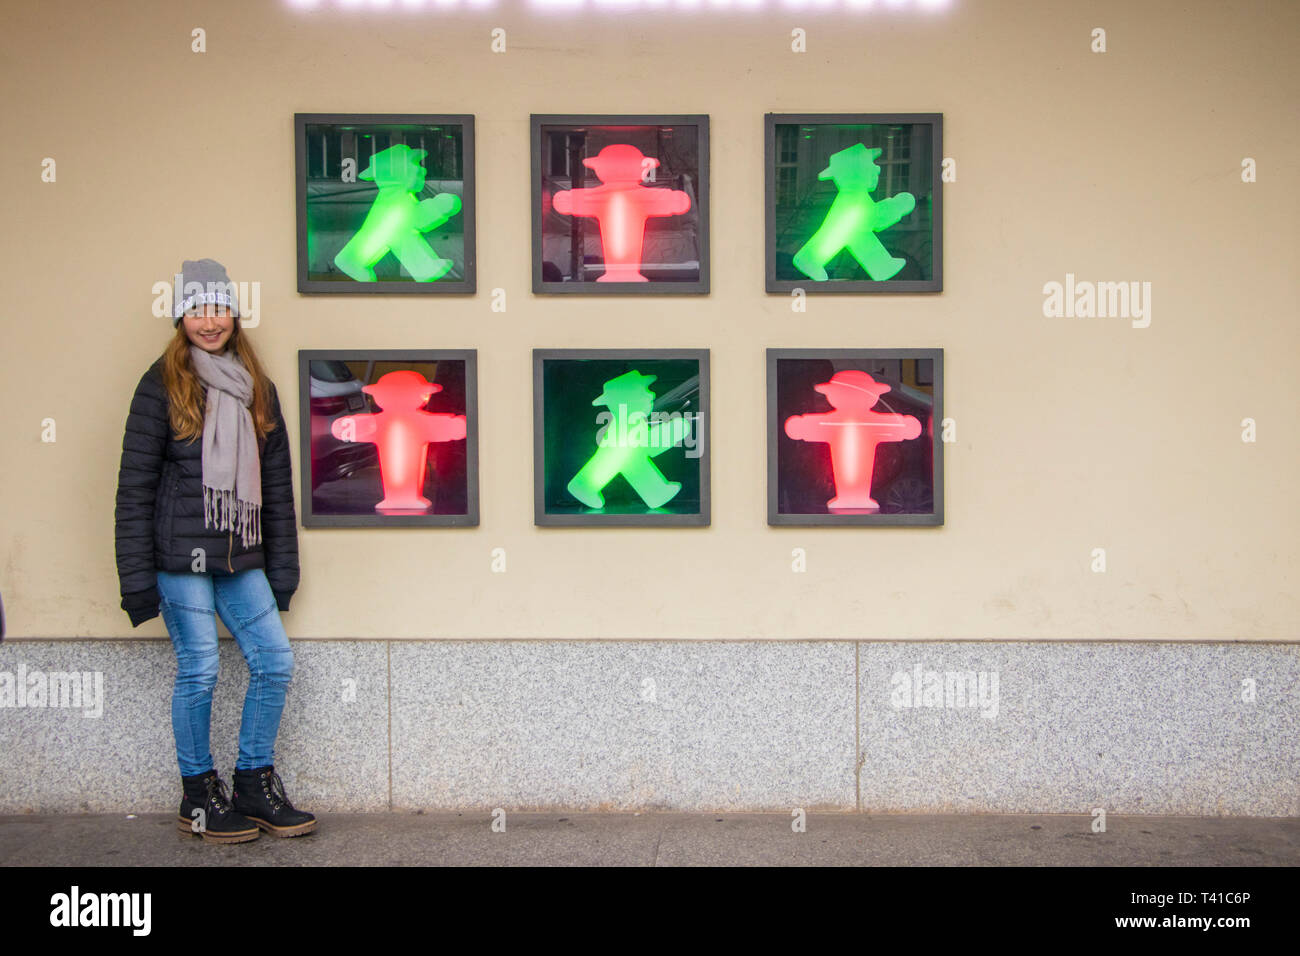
(202, 282)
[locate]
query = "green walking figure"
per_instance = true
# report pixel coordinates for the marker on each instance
(854, 218)
(397, 221)
(628, 443)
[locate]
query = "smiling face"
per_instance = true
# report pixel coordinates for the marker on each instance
(209, 327)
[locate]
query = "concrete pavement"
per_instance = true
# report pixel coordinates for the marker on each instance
(665, 839)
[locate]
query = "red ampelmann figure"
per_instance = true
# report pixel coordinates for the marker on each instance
(621, 205)
(402, 430)
(853, 431)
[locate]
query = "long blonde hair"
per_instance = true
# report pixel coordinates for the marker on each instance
(187, 397)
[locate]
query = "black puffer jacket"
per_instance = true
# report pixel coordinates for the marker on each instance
(159, 511)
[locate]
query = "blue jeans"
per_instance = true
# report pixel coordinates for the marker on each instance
(189, 605)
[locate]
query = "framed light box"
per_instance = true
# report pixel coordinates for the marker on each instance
(389, 437)
(620, 436)
(854, 202)
(385, 202)
(620, 204)
(854, 436)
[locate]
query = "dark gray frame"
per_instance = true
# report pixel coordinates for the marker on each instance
(541, 518)
(852, 286)
(774, 436)
(468, 206)
(700, 120)
(312, 520)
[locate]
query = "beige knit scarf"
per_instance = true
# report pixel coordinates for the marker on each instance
(232, 472)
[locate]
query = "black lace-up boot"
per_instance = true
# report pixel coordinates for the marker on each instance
(259, 795)
(219, 822)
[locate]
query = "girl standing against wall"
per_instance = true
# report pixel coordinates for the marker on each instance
(205, 526)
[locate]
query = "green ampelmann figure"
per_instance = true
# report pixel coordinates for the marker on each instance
(628, 443)
(855, 218)
(397, 221)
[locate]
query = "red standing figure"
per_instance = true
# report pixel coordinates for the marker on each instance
(621, 205)
(402, 430)
(853, 431)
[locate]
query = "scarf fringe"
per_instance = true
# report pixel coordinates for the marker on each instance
(224, 512)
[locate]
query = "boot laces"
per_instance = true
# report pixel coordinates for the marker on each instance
(217, 795)
(273, 787)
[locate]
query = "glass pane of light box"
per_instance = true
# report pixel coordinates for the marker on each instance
(384, 203)
(853, 202)
(650, 463)
(855, 436)
(620, 203)
(388, 438)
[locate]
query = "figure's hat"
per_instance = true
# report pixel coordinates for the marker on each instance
(392, 163)
(849, 160)
(623, 385)
(853, 379)
(619, 161)
(402, 388)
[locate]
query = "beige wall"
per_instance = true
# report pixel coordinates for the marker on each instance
(1072, 433)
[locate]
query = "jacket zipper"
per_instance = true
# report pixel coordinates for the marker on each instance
(171, 509)
(229, 549)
